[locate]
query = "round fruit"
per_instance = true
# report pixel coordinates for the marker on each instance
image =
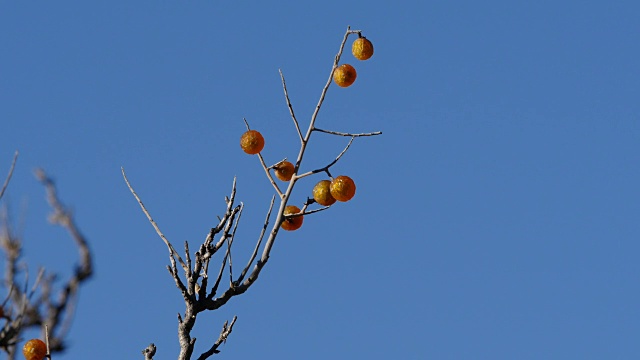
(343, 188)
(34, 349)
(284, 171)
(291, 224)
(252, 142)
(322, 193)
(362, 48)
(344, 75)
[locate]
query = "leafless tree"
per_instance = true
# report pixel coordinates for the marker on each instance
(39, 305)
(191, 275)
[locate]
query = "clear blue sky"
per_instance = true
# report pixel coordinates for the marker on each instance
(497, 217)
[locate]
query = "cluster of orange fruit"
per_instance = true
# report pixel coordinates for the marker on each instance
(326, 192)
(34, 349)
(345, 74)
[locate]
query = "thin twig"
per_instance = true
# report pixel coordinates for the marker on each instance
(326, 86)
(230, 242)
(265, 167)
(348, 134)
(326, 168)
(255, 250)
(266, 170)
(274, 166)
(293, 116)
(6, 181)
(214, 289)
(229, 218)
(155, 226)
(224, 334)
(46, 339)
(303, 213)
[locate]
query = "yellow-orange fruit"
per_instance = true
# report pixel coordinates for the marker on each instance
(252, 142)
(292, 224)
(343, 188)
(34, 349)
(362, 48)
(322, 193)
(344, 75)
(284, 171)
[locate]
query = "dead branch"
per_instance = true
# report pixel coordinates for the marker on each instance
(38, 307)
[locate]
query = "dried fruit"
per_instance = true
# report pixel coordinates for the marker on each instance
(34, 349)
(294, 223)
(362, 48)
(343, 188)
(252, 142)
(284, 171)
(344, 75)
(322, 193)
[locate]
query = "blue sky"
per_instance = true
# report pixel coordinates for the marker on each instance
(495, 218)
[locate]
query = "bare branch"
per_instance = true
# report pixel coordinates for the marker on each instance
(227, 226)
(326, 86)
(68, 295)
(6, 181)
(255, 250)
(275, 166)
(214, 289)
(46, 338)
(230, 242)
(220, 301)
(266, 170)
(348, 134)
(265, 167)
(326, 168)
(155, 226)
(293, 116)
(303, 213)
(221, 223)
(224, 334)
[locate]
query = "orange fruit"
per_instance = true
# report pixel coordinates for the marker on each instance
(322, 193)
(252, 142)
(343, 188)
(284, 171)
(344, 75)
(362, 48)
(34, 349)
(292, 224)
